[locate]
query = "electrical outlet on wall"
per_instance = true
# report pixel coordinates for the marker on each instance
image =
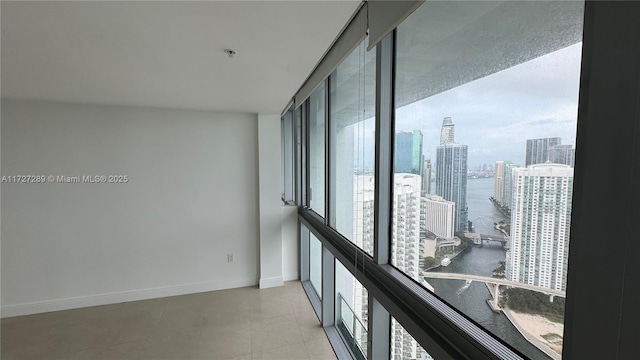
(229, 257)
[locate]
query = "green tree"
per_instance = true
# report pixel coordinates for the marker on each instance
(430, 261)
(533, 302)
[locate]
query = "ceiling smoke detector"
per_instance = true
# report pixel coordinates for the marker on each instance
(230, 52)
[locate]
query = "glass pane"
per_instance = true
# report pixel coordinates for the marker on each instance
(351, 311)
(287, 157)
(298, 119)
(404, 346)
(352, 134)
(317, 149)
(315, 264)
(486, 114)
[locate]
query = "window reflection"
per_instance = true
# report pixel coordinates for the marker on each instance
(352, 133)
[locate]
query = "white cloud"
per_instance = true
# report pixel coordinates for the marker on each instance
(495, 115)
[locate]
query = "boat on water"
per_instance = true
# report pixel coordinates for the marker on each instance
(445, 262)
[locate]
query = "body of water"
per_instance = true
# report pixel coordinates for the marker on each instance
(471, 299)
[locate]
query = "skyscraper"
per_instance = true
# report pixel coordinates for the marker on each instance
(406, 252)
(540, 224)
(406, 221)
(562, 154)
(447, 133)
(538, 150)
(408, 153)
(497, 181)
(426, 177)
(362, 217)
(363, 200)
(451, 173)
(507, 184)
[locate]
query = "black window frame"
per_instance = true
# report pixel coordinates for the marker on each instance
(601, 317)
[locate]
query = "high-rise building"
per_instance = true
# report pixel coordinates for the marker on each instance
(406, 252)
(451, 173)
(403, 346)
(562, 154)
(538, 150)
(497, 181)
(451, 179)
(363, 209)
(507, 183)
(540, 223)
(426, 177)
(406, 223)
(447, 133)
(362, 218)
(408, 153)
(440, 215)
(502, 183)
(544, 150)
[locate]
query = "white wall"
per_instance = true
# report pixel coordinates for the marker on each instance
(269, 145)
(192, 198)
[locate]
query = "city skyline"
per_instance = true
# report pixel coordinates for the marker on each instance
(496, 115)
(495, 118)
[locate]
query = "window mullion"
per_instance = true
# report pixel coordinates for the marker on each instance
(384, 150)
(327, 189)
(328, 288)
(330, 180)
(305, 183)
(305, 260)
(379, 319)
(379, 331)
(302, 141)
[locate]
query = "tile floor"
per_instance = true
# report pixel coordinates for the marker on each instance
(245, 323)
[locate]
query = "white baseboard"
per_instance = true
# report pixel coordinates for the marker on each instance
(271, 282)
(124, 296)
(291, 276)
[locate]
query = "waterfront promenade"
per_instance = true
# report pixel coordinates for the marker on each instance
(533, 327)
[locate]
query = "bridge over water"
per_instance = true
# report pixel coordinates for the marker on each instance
(493, 237)
(479, 239)
(496, 282)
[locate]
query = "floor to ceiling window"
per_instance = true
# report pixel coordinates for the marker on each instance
(288, 153)
(483, 161)
(317, 150)
(352, 147)
(456, 153)
(315, 264)
(351, 311)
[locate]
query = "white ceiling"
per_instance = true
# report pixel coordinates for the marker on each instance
(166, 54)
